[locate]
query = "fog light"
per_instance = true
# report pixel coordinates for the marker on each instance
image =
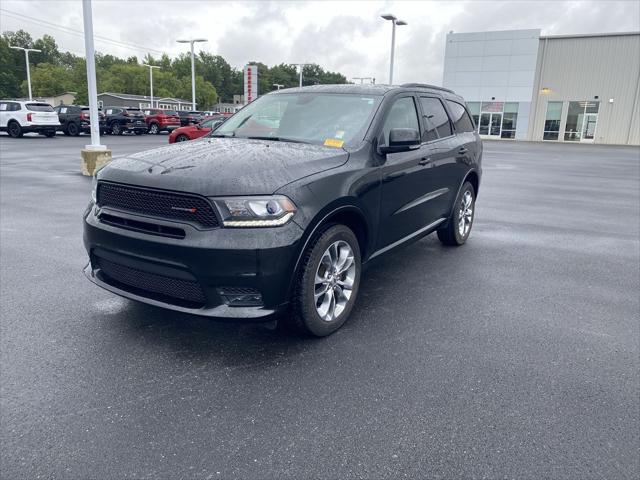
(240, 296)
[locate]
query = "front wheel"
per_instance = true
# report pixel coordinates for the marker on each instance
(182, 138)
(328, 282)
(116, 129)
(458, 228)
(154, 129)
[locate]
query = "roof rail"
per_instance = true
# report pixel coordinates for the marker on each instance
(424, 85)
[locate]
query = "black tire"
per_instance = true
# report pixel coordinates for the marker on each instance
(14, 129)
(182, 138)
(304, 316)
(154, 129)
(50, 133)
(450, 234)
(65, 130)
(116, 129)
(73, 129)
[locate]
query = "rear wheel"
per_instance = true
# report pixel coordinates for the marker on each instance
(458, 228)
(50, 133)
(14, 129)
(116, 129)
(73, 129)
(154, 129)
(328, 282)
(182, 138)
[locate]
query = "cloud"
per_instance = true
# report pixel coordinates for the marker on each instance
(345, 36)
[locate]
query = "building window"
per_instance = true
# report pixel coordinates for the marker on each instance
(509, 120)
(552, 121)
(581, 121)
(474, 110)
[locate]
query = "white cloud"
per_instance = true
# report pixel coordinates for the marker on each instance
(345, 36)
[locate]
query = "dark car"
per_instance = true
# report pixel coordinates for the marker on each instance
(278, 209)
(74, 119)
(161, 120)
(125, 119)
(190, 118)
(192, 132)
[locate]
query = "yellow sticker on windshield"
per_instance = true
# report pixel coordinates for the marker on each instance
(332, 142)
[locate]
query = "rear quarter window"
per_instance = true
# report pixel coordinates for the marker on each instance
(460, 117)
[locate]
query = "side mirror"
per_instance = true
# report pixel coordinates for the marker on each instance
(402, 140)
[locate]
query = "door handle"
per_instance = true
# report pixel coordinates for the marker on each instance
(424, 161)
(462, 151)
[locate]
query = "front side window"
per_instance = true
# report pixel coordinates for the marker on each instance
(437, 124)
(460, 117)
(319, 118)
(401, 115)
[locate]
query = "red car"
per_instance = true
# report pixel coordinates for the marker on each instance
(191, 132)
(159, 120)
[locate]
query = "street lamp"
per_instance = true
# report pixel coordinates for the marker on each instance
(193, 68)
(301, 65)
(394, 22)
(26, 58)
(151, 67)
(278, 85)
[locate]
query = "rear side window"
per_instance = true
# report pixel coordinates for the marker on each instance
(39, 107)
(437, 124)
(461, 118)
(402, 115)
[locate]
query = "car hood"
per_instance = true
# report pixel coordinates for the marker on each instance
(223, 166)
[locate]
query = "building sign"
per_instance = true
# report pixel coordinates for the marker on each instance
(493, 107)
(250, 83)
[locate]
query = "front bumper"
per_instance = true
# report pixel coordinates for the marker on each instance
(260, 259)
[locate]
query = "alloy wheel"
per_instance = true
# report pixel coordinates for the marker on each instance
(334, 280)
(465, 214)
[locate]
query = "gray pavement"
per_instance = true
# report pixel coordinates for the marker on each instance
(514, 356)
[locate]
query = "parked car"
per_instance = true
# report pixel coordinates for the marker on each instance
(74, 119)
(18, 117)
(272, 217)
(189, 118)
(192, 132)
(159, 120)
(125, 119)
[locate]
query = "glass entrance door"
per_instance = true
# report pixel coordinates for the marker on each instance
(589, 127)
(490, 124)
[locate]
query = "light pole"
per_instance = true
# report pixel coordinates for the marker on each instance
(151, 67)
(278, 86)
(301, 65)
(26, 59)
(394, 22)
(91, 77)
(193, 68)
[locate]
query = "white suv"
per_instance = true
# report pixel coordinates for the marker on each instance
(20, 116)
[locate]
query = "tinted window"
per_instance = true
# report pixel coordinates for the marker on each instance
(436, 119)
(170, 112)
(461, 118)
(39, 107)
(402, 115)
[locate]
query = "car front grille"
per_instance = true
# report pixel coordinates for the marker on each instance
(176, 291)
(157, 203)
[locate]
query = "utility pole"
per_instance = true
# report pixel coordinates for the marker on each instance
(301, 65)
(151, 67)
(193, 68)
(26, 59)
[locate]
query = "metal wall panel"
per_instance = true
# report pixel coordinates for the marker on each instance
(584, 67)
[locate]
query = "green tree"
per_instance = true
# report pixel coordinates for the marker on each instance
(48, 79)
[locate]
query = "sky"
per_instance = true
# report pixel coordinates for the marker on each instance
(345, 36)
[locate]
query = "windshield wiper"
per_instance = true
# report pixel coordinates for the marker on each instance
(277, 139)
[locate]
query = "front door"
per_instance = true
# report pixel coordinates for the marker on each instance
(589, 127)
(490, 124)
(404, 175)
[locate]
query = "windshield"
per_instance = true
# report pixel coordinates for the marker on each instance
(39, 107)
(320, 118)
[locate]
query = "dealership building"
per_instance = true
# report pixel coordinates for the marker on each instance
(569, 88)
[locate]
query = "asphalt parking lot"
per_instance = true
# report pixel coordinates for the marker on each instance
(514, 356)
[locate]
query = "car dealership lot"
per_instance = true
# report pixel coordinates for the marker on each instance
(515, 355)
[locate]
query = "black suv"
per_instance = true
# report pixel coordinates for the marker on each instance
(125, 119)
(189, 118)
(74, 119)
(278, 209)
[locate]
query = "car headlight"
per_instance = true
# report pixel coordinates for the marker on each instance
(255, 211)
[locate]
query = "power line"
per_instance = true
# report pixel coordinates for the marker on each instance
(79, 33)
